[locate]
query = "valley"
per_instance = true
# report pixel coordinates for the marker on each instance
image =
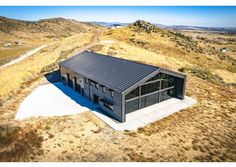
(204, 132)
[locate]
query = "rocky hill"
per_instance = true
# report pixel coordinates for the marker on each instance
(55, 27)
(141, 25)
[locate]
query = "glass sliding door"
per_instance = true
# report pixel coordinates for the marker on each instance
(131, 106)
(166, 94)
(157, 89)
(149, 100)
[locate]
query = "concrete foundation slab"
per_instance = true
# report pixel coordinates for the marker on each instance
(147, 115)
(58, 100)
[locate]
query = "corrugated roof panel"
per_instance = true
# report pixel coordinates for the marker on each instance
(117, 74)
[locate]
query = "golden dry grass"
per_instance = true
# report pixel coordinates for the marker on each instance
(9, 53)
(127, 51)
(13, 77)
(204, 132)
(169, 45)
(227, 76)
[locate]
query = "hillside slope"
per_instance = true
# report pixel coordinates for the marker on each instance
(55, 27)
(17, 36)
(204, 132)
(194, 55)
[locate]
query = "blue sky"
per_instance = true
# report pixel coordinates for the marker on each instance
(213, 16)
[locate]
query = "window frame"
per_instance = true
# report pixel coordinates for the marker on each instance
(110, 107)
(103, 89)
(132, 94)
(112, 93)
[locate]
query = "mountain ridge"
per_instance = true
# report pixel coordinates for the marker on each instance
(53, 27)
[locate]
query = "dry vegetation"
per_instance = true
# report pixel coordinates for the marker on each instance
(32, 34)
(17, 75)
(204, 132)
(19, 143)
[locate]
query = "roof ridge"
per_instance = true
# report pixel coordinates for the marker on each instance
(93, 65)
(132, 61)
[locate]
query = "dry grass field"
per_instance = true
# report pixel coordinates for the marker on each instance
(12, 52)
(25, 35)
(204, 132)
(17, 75)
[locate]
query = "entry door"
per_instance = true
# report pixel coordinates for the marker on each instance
(95, 99)
(70, 82)
(77, 86)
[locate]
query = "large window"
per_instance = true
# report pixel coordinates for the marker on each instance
(167, 94)
(149, 88)
(158, 76)
(168, 82)
(149, 100)
(131, 106)
(157, 89)
(132, 94)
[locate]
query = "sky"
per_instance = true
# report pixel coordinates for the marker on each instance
(210, 16)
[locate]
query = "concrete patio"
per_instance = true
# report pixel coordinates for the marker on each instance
(57, 100)
(147, 115)
(52, 100)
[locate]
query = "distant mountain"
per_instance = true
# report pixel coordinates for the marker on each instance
(54, 27)
(172, 27)
(110, 24)
(215, 29)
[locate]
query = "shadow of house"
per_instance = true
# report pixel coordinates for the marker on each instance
(53, 76)
(55, 79)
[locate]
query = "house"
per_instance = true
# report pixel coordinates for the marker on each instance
(223, 49)
(116, 26)
(120, 86)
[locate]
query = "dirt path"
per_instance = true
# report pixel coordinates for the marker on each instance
(93, 42)
(35, 50)
(23, 56)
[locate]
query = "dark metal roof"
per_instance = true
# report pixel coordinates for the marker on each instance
(115, 73)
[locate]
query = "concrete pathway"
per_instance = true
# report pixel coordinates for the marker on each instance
(147, 115)
(58, 100)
